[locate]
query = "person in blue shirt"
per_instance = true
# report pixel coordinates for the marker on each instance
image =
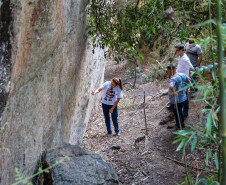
(177, 96)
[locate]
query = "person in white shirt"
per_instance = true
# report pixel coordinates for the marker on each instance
(110, 99)
(184, 66)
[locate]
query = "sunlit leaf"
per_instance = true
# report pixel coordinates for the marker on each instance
(181, 145)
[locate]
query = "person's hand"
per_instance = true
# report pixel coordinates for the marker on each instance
(92, 92)
(111, 110)
(175, 93)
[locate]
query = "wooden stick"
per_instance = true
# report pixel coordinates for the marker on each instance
(161, 109)
(159, 63)
(179, 162)
(145, 119)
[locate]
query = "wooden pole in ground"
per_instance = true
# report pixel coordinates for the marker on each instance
(145, 119)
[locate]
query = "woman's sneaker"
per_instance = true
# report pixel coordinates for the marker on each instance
(118, 134)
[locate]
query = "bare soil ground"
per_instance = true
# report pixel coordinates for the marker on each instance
(138, 161)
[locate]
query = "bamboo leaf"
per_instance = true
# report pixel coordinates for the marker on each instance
(190, 138)
(183, 152)
(213, 75)
(198, 99)
(183, 132)
(209, 121)
(210, 153)
(176, 140)
(217, 111)
(180, 145)
(187, 86)
(216, 160)
(193, 143)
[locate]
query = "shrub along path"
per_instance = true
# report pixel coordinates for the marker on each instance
(145, 161)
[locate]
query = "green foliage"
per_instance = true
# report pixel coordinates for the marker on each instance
(128, 27)
(157, 72)
(132, 105)
(129, 73)
(200, 181)
(145, 78)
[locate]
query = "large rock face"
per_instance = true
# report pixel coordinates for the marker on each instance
(83, 167)
(49, 70)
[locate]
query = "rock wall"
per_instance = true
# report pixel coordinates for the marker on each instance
(51, 70)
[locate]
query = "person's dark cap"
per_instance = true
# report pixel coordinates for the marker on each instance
(179, 46)
(171, 66)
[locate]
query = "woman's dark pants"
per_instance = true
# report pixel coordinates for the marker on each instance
(180, 112)
(114, 117)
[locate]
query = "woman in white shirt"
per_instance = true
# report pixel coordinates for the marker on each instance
(110, 98)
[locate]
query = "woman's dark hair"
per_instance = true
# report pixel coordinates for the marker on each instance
(118, 82)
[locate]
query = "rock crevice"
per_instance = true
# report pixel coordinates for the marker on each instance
(5, 52)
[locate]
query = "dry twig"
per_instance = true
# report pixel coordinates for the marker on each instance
(196, 168)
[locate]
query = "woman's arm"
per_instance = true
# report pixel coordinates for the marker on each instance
(112, 109)
(96, 91)
(199, 60)
(191, 69)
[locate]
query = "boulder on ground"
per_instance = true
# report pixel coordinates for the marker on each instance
(83, 168)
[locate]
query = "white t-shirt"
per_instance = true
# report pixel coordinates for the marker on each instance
(184, 65)
(110, 95)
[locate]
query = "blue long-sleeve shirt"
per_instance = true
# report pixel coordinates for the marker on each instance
(178, 81)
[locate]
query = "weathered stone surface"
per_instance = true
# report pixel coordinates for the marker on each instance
(84, 168)
(52, 70)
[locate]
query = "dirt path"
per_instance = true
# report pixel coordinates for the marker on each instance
(146, 161)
